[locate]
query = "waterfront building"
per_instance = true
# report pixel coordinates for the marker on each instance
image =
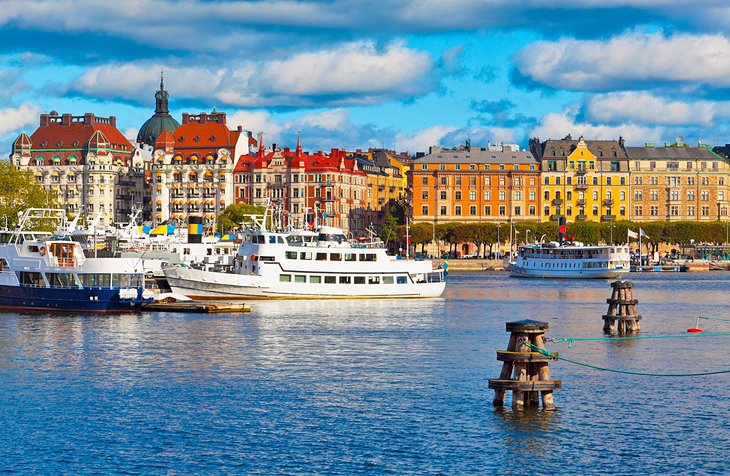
(583, 180)
(678, 182)
(192, 169)
(160, 121)
(472, 184)
(385, 184)
(326, 188)
(85, 164)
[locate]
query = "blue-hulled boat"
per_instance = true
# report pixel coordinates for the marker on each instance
(42, 271)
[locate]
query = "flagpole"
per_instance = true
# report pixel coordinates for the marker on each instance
(640, 262)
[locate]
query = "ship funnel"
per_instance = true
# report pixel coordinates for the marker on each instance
(562, 229)
(195, 229)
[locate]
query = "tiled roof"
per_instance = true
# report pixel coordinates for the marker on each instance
(476, 155)
(677, 153)
(552, 148)
(211, 135)
(75, 136)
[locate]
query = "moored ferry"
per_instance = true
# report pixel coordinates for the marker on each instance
(570, 259)
(320, 263)
(39, 271)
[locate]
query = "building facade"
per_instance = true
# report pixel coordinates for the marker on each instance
(324, 188)
(473, 184)
(85, 164)
(678, 182)
(385, 184)
(192, 170)
(583, 180)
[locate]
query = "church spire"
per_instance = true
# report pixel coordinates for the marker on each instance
(299, 144)
(161, 96)
(261, 144)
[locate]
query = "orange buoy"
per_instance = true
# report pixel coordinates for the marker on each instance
(695, 329)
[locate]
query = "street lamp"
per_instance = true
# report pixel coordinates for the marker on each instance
(499, 225)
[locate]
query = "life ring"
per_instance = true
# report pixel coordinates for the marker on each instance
(253, 257)
(42, 251)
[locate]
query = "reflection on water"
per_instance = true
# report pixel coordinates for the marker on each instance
(367, 386)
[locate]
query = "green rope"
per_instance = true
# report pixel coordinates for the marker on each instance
(546, 353)
(571, 340)
(714, 319)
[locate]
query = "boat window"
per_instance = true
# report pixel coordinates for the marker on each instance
(291, 255)
(321, 256)
(61, 280)
(90, 280)
(300, 278)
(367, 257)
(120, 280)
(305, 255)
(401, 279)
(350, 257)
(359, 279)
(315, 279)
(330, 279)
(260, 239)
(30, 279)
(33, 248)
(344, 280)
(387, 279)
(285, 278)
(279, 239)
(373, 279)
(335, 257)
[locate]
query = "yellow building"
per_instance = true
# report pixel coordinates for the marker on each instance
(583, 180)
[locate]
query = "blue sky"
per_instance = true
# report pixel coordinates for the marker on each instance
(359, 74)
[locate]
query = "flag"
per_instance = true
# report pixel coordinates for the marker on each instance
(633, 234)
(324, 214)
(371, 230)
(642, 234)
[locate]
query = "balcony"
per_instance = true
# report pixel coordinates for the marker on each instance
(554, 217)
(580, 202)
(581, 217)
(557, 201)
(580, 172)
(581, 186)
(608, 218)
(608, 202)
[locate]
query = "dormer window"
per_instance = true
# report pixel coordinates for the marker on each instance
(196, 139)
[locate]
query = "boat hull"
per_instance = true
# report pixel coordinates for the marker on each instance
(63, 299)
(198, 284)
(521, 272)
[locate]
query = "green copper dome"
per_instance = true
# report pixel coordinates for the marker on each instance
(161, 121)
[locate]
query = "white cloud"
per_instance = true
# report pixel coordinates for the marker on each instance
(354, 73)
(558, 125)
(355, 67)
(13, 119)
(628, 59)
(645, 108)
(421, 140)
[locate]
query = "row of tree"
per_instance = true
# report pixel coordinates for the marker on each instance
(485, 235)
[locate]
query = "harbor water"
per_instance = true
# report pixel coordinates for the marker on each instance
(369, 386)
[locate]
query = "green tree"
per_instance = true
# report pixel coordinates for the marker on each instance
(234, 215)
(389, 231)
(18, 191)
(421, 234)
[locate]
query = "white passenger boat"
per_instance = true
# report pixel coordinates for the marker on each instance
(307, 264)
(570, 260)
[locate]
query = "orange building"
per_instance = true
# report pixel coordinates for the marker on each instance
(473, 184)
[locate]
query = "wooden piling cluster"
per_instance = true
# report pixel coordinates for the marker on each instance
(621, 316)
(531, 373)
